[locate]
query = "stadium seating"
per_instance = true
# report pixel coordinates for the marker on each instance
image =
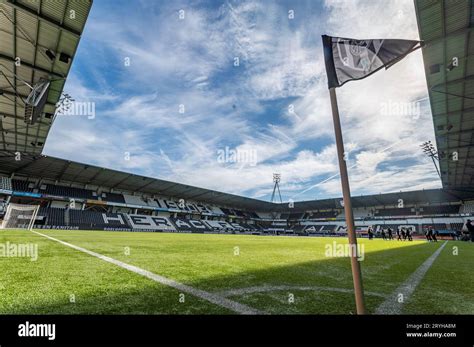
(134, 200)
(390, 212)
(467, 208)
(439, 210)
(436, 226)
(296, 216)
(22, 186)
(328, 228)
(113, 197)
(190, 225)
(320, 214)
(227, 211)
(456, 226)
(53, 216)
(70, 192)
(5, 183)
(95, 220)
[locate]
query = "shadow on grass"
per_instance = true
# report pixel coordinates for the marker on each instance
(383, 272)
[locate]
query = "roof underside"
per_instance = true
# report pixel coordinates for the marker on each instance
(40, 166)
(446, 27)
(28, 28)
(429, 196)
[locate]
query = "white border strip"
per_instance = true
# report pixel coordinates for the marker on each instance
(392, 305)
(213, 298)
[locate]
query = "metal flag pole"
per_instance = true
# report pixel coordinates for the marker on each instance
(346, 193)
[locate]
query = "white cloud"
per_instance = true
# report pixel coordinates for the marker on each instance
(186, 62)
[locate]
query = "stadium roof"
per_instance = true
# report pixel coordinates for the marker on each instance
(40, 166)
(65, 171)
(431, 196)
(446, 27)
(44, 35)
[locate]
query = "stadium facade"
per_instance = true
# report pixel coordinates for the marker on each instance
(81, 196)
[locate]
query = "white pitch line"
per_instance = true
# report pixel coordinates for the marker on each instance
(391, 305)
(213, 298)
(270, 288)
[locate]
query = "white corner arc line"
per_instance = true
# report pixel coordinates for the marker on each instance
(391, 304)
(213, 298)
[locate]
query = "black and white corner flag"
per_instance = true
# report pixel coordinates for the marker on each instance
(350, 59)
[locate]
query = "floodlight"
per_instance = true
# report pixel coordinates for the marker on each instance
(36, 101)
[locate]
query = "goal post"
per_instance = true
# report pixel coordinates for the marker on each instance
(20, 216)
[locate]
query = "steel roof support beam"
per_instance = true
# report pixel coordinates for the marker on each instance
(44, 18)
(24, 166)
(63, 170)
(121, 181)
(30, 66)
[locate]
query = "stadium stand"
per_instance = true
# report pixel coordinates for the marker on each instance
(219, 225)
(22, 186)
(467, 208)
(152, 202)
(54, 217)
(296, 216)
(227, 211)
(113, 197)
(70, 192)
(328, 228)
(152, 215)
(456, 226)
(54, 180)
(190, 225)
(388, 212)
(134, 200)
(149, 223)
(439, 210)
(5, 183)
(436, 226)
(96, 220)
(320, 214)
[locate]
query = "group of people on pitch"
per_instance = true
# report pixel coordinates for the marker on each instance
(403, 234)
(470, 230)
(431, 234)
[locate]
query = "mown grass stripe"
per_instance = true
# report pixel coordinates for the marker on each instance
(393, 304)
(213, 298)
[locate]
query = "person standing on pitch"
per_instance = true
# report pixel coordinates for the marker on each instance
(383, 234)
(432, 235)
(399, 237)
(427, 234)
(404, 235)
(470, 228)
(409, 234)
(390, 233)
(370, 233)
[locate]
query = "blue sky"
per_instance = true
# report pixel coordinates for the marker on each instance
(182, 101)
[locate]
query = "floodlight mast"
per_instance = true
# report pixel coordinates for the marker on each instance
(430, 150)
(276, 180)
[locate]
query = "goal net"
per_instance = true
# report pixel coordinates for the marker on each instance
(20, 216)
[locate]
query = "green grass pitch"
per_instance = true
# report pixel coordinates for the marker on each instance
(275, 275)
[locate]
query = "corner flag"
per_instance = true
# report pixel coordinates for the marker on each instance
(348, 60)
